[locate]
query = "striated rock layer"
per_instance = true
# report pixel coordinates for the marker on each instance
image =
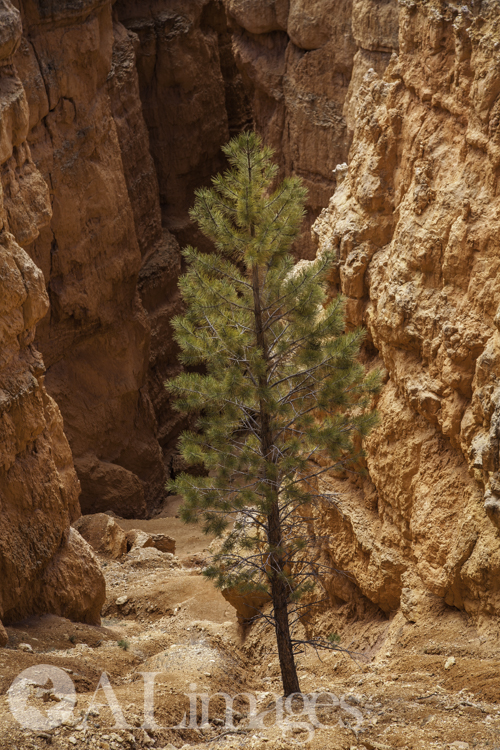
(415, 222)
(44, 565)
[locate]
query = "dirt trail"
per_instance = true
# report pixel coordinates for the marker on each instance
(434, 684)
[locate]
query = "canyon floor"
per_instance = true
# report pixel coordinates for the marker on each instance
(397, 693)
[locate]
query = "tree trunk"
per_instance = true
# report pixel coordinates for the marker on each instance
(279, 593)
(279, 589)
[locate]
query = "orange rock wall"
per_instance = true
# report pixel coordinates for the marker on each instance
(191, 100)
(414, 220)
(95, 340)
(44, 566)
(100, 155)
(111, 116)
(191, 94)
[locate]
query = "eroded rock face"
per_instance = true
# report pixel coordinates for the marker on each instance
(95, 341)
(302, 61)
(415, 226)
(176, 94)
(43, 567)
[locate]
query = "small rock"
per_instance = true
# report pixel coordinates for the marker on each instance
(450, 662)
(146, 558)
(164, 543)
(73, 740)
(121, 600)
(25, 647)
(138, 539)
(457, 745)
(372, 745)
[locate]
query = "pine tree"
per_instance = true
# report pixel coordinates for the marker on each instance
(279, 387)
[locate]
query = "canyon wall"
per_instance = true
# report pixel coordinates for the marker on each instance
(189, 94)
(95, 339)
(112, 115)
(102, 147)
(44, 565)
(124, 124)
(302, 62)
(415, 223)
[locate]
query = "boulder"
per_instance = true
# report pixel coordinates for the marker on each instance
(103, 534)
(137, 539)
(73, 585)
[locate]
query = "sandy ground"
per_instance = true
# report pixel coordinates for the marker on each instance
(169, 620)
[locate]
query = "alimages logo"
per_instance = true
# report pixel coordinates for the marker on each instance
(43, 697)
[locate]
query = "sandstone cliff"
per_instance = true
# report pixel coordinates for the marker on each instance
(302, 62)
(106, 132)
(44, 566)
(95, 339)
(414, 220)
(112, 114)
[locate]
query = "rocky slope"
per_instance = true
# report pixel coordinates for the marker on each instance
(44, 566)
(414, 220)
(413, 687)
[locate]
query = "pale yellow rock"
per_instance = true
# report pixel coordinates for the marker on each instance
(103, 534)
(137, 539)
(416, 230)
